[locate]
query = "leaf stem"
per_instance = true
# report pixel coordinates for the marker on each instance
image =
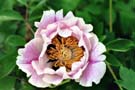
(111, 29)
(113, 74)
(110, 15)
(29, 30)
(29, 27)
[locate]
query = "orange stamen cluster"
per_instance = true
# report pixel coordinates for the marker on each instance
(64, 51)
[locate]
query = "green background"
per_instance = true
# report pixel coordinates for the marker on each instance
(114, 24)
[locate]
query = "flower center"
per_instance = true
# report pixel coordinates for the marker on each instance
(64, 51)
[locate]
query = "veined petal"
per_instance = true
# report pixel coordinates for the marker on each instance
(93, 73)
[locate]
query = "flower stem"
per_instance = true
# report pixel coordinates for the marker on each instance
(110, 15)
(113, 74)
(111, 29)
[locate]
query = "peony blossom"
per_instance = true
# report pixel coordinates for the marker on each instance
(63, 48)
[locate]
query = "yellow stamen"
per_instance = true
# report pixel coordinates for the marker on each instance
(64, 51)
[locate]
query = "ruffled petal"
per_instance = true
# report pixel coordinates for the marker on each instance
(59, 15)
(69, 22)
(53, 79)
(47, 18)
(96, 54)
(84, 27)
(69, 15)
(64, 33)
(93, 73)
(32, 50)
(37, 80)
(27, 68)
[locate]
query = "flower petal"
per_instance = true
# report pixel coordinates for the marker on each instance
(53, 79)
(93, 73)
(96, 53)
(84, 27)
(37, 81)
(47, 18)
(69, 15)
(59, 15)
(27, 68)
(64, 33)
(32, 50)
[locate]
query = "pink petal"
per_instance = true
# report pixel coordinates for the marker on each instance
(37, 81)
(59, 15)
(52, 79)
(47, 18)
(84, 27)
(69, 15)
(64, 33)
(36, 24)
(93, 40)
(61, 72)
(38, 43)
(69, 22)
(27, 68)
(32, 51)
(76, 70)
(93, 73)
(51, 28)
(101, 58)
(96, 53)
(40, 65)
(55, 77)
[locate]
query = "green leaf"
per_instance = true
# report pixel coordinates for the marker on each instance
(120, 45)
(127, 19)
(94, 9)
(126, 15)
(11, 29)
(15, 40)
(7, 83)
(113, 60)
(99, 28)
(38, 6)
(23, 2)
(106, 14)
(73, 4)
(27, 86)
(7, 15)
(67, 5)
(7, 63)
(109, 36)
(85, 15)
(127, 78)
(9, 4)
(2, 37)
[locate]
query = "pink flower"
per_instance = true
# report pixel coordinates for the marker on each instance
(63, 48)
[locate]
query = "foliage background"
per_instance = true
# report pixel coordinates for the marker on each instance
(113, 21)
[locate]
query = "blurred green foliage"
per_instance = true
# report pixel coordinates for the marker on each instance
(17, 17)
